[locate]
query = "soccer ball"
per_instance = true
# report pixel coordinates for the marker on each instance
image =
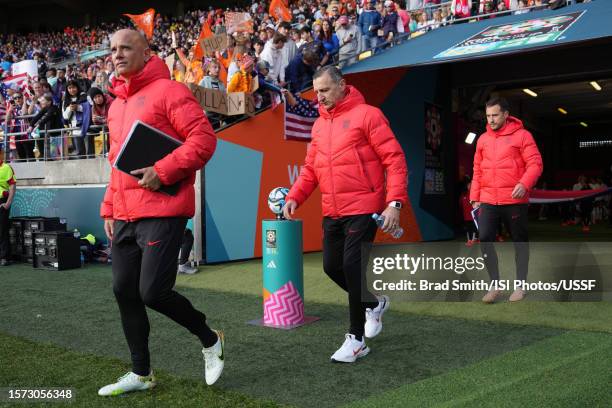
(276, 199)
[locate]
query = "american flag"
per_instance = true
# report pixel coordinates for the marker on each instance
(21, 80)
(3, 102)
(300, 118)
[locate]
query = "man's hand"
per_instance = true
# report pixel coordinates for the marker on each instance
(392, 219)
(289, 209)
(475, 204)
(5, 206)
(109, 228)
(150, 179)
(519, 191)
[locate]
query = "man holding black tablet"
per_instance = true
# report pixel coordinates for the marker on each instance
(146, 226)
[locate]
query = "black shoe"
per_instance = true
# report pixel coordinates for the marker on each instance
(4, 262)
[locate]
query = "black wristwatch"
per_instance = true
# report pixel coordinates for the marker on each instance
(395, 204)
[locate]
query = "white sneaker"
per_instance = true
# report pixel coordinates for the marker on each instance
(128, 383)
(351, 350)
(186, 268)
(373, 324)
(214, 359)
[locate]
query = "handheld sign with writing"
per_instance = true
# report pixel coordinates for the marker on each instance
(215, 43)
(234, 103)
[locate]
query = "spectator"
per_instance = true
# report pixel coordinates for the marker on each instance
(521, 7)
(101, 81)
(33, 104)
(193, 72)
(501, 8)
(74, 111)
(95, 117)
(272, 54)
(100, 104)
(389, 21)
(369, 22)
(211, 80)
(404, 15)
(301, 69)
(321, 12)
(14, 124)
(415, 5)
(242, 80)
(258, 47)
(437, 21)
(461, 8)
(349, 41)
(305, 38)
(329, 39)
(289, 49)
(48, 118)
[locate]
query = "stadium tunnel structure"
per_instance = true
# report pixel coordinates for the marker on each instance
(415, 84)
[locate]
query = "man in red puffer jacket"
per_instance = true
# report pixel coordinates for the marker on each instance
(360, 168)
(507, 164)
(145, 226)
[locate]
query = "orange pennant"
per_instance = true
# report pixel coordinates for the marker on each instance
(279, 10)
(144, 21)
(206, 32)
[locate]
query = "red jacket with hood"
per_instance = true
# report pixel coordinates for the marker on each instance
(151, 97)
(503, 158)
(353, 151)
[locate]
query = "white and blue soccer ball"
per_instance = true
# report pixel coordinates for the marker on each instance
(276, 199)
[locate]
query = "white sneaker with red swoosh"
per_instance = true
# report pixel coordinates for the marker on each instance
(373, 323)
(351, 350)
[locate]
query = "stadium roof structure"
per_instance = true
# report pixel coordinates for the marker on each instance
(515, 34)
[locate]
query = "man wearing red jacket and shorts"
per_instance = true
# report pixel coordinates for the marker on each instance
(507, 164)
(146, 227)
(360, 168)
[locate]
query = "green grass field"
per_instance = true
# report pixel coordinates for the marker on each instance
(62, 329)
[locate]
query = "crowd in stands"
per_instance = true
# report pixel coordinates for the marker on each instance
(274, 54)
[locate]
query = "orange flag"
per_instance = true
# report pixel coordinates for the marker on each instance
(206, 32)
(279, 10)
(144, 21)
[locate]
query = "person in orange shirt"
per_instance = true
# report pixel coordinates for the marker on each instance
(242, 81)
(193, 67)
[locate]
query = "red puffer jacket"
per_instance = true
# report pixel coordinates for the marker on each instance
(503, 159)
(352, 150)
(169, 106)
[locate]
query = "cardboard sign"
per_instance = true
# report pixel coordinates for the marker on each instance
(238, 22)
(215, 43)
(235, 103)
(240, 103)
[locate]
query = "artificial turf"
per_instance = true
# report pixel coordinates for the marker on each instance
(63, 329)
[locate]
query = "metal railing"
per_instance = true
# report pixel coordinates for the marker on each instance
(47, 147)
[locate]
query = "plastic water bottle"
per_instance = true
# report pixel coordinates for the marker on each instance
(380, 220)
(82, 260)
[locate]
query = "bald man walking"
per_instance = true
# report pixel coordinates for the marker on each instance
(144, 225)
